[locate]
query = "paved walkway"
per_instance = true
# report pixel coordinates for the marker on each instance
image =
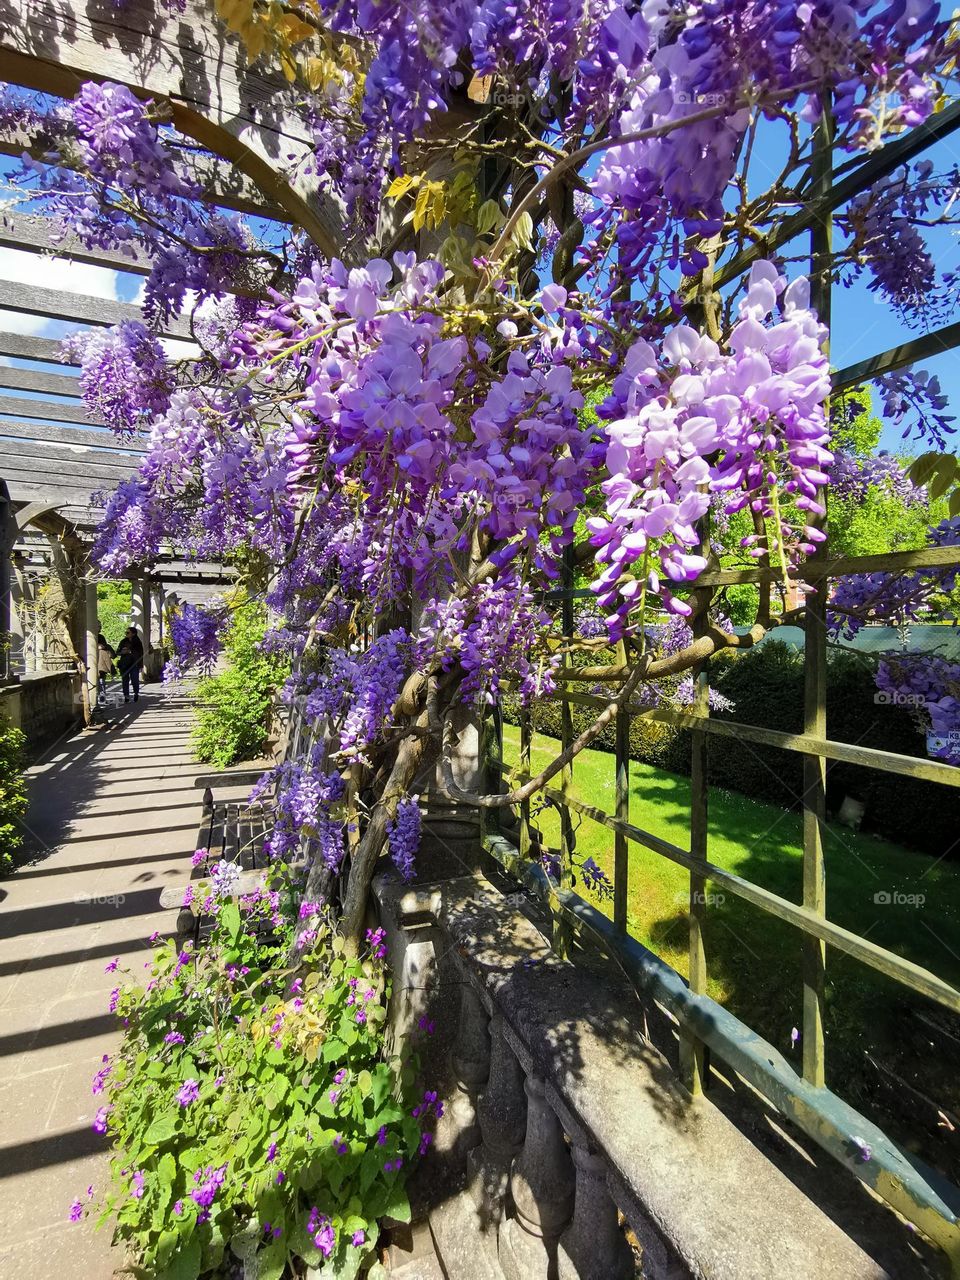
(114, 816)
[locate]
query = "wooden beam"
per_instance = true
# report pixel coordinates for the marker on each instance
(32, 511)
(41, 454)
(191, 60)
(30, 233)
(58, 305)
(222, 184)
(57, 384)
(92, 476)
(37, 431)
(22, 346)
(56, 495)
(28, 407)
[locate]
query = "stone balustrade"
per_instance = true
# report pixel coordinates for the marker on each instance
(569, 1150)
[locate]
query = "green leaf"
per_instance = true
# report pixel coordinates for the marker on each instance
(271, 1262)
(167, 1169)
(523, 231)
(185, 1264)
(489, 215)
(230, 920)
(922, 470)
(944, 477)
(162, 1130)
(954, 504)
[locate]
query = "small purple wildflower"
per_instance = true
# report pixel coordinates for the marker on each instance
(359, 1239)
(112, 966)
(76, 1211)
(136, 1185)
(100, 1120)
(188, 1092)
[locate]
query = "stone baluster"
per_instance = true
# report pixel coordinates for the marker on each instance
(502, 1113)
(542, 1191)
(593, 1247)
(471, 1064)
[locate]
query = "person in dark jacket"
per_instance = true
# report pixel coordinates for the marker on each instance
(130, 660)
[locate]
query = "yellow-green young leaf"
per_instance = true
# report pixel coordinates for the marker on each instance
(400, 186)
(921, 471)
(421, 207)
(523, 231)
(489, 215)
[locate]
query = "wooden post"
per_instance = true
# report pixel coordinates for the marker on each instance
(91, 655)
(561, 934)
(815, 675)
(621, 847)
(693, 1058)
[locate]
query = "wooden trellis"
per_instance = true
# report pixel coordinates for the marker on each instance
(703, 1025)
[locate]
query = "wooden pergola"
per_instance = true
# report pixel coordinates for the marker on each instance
(55, 458)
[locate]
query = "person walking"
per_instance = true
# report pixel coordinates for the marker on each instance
(130, 660)
(105, 659)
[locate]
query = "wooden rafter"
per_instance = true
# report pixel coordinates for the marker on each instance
(193, 63)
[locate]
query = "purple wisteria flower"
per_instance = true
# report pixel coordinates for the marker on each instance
(188, 1092)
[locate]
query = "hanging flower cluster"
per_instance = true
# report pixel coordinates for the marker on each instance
(695, 421)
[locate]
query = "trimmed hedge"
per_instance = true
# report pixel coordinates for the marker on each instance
(766, 686)
(13, 793)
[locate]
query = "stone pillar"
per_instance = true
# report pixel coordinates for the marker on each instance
(156, 616)
(16, 662)
(542, 1190)
(92, 631)
(593, 1247)
(140, 611)
(471, 1063)
(502, 1115)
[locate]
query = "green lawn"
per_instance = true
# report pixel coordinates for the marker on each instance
(753, 958)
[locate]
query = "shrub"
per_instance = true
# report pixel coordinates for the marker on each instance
(765, 685)
(13, 793)
(113, 610)
(233, 707)
(253, 1112)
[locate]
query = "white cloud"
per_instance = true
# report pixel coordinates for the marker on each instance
(23, 322)
(57, 273)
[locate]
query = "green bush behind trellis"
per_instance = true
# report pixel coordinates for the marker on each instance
(766, 686)
(233, 707)
(13, 792)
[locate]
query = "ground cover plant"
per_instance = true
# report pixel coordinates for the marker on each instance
(252, 1109)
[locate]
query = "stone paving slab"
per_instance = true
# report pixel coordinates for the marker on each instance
(113, 819)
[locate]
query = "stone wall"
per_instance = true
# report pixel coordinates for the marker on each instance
(43, 706)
